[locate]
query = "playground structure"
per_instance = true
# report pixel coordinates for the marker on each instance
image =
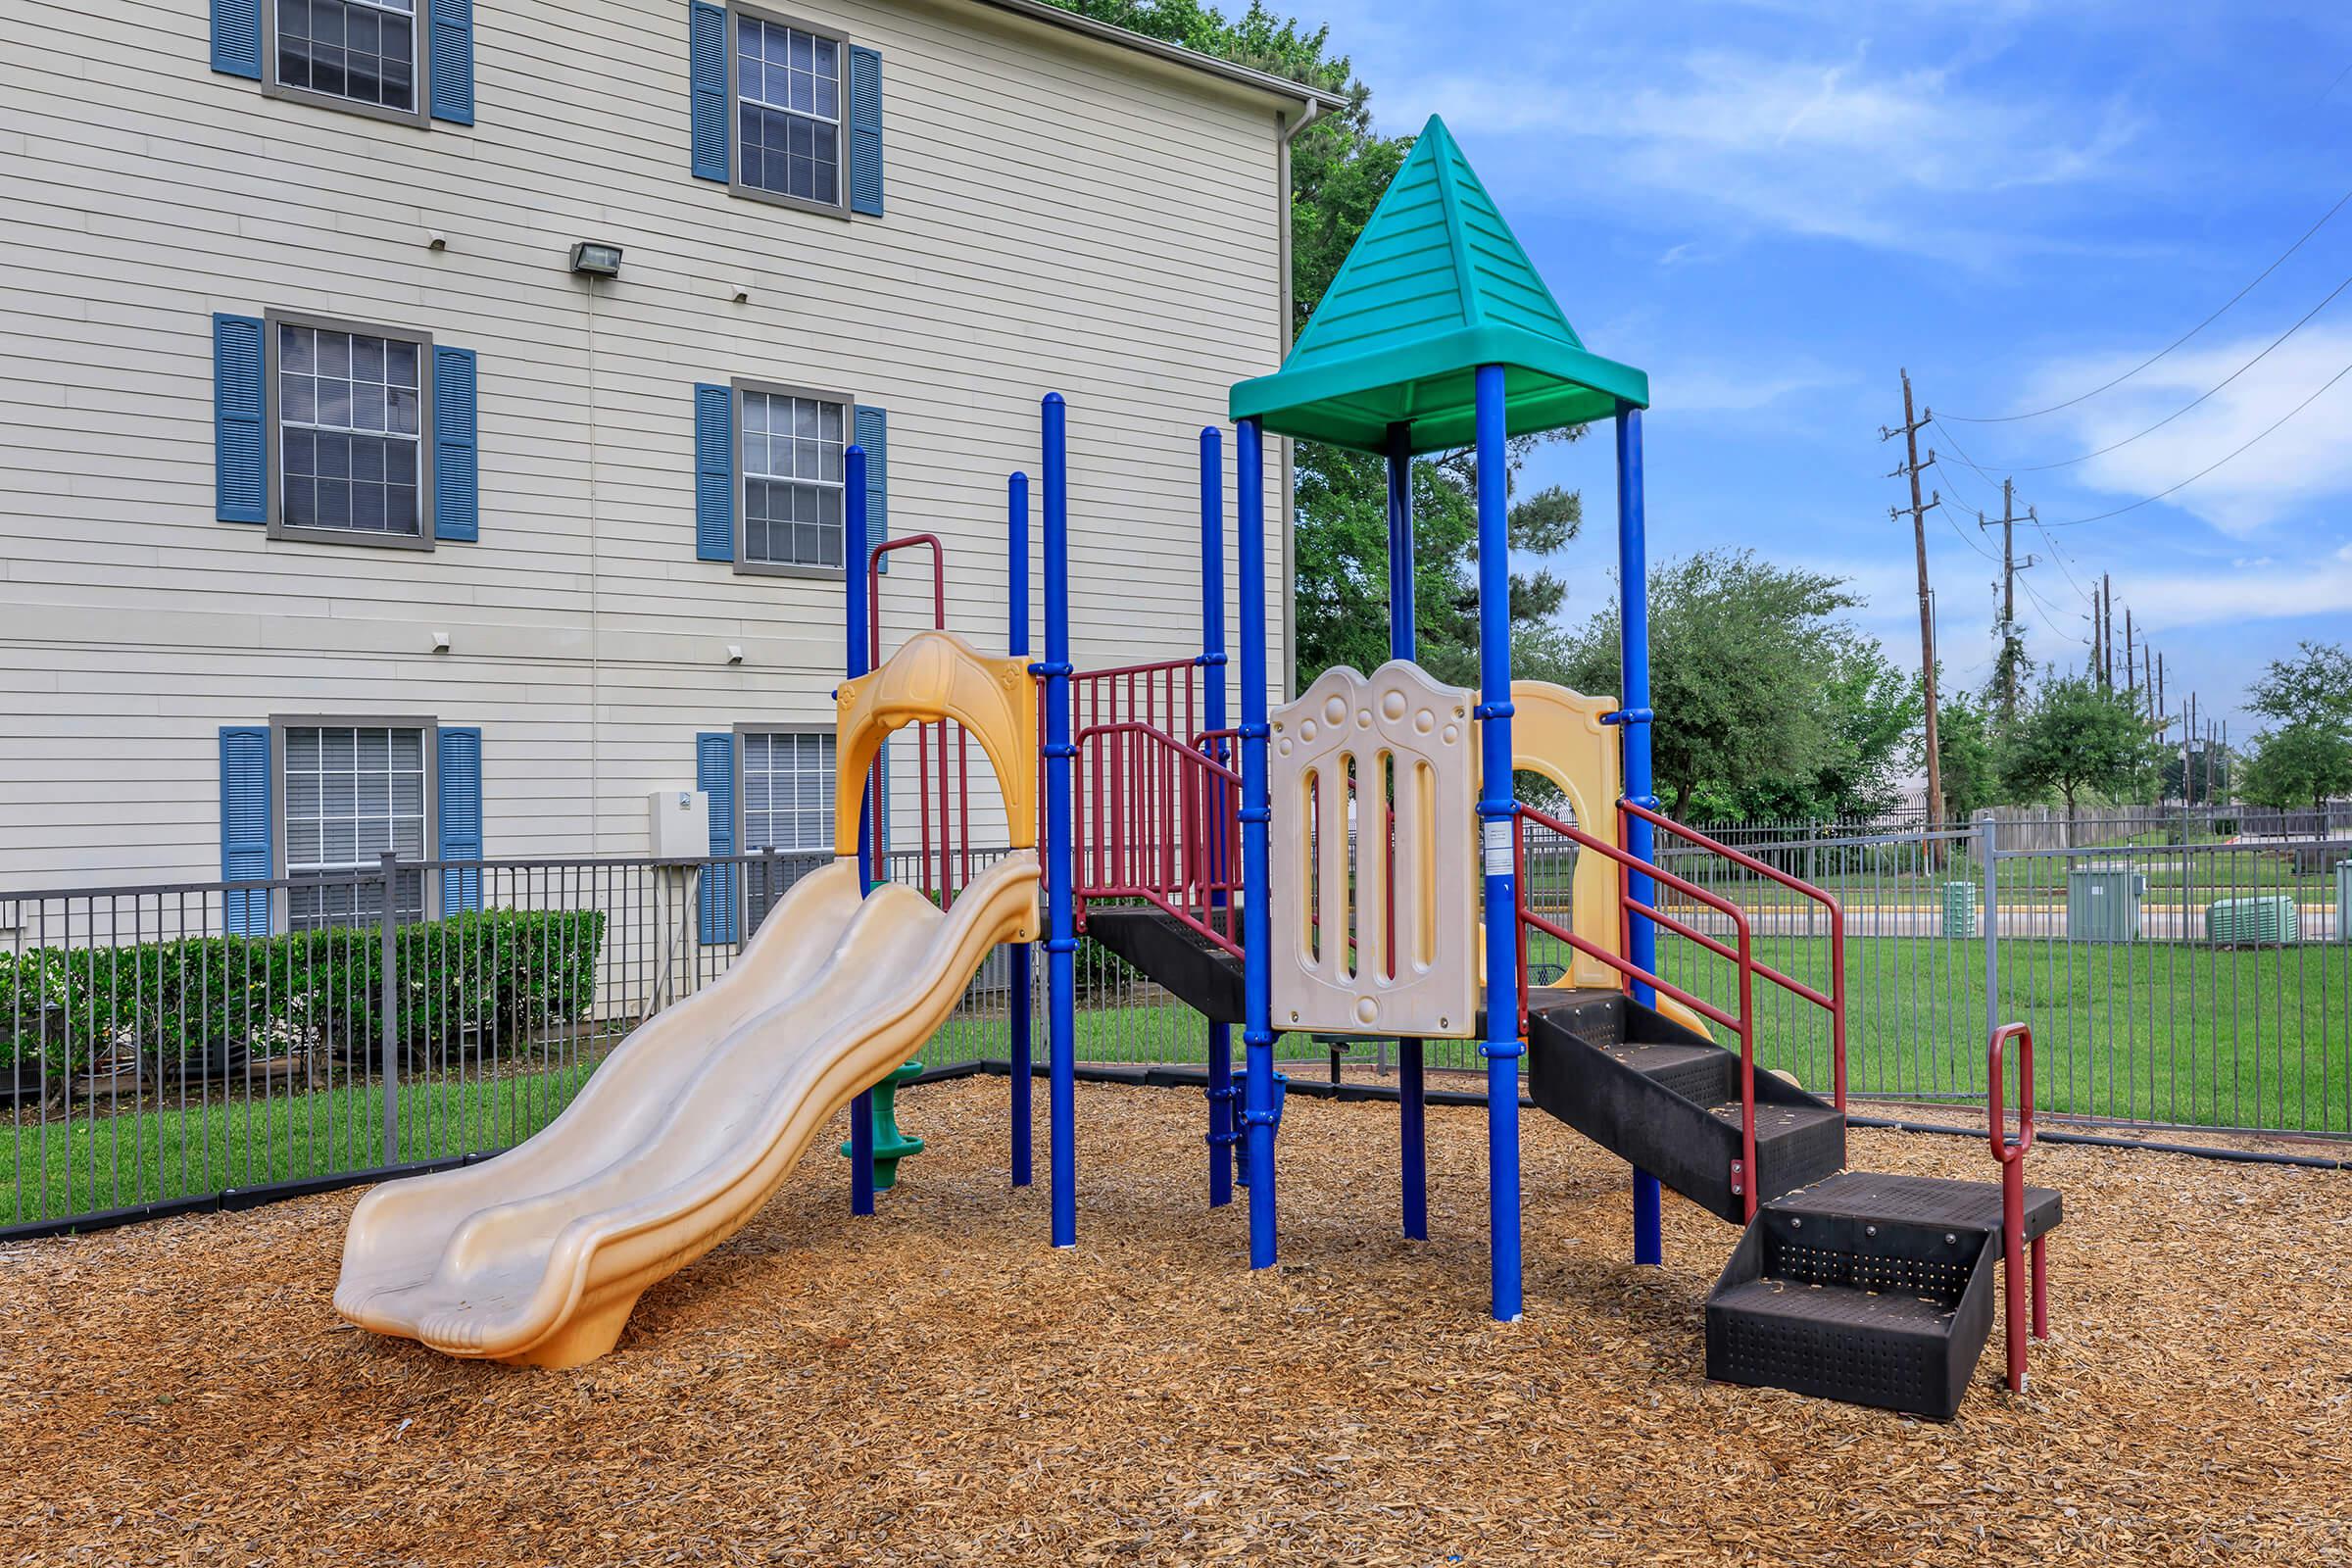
(1351, 860)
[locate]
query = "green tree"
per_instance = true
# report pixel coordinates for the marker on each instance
(2296, 765)
(1746, 655)
(2077, 738)
(1972, 779)
(2306, 757)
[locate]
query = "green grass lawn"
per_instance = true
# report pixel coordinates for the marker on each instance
(90, 1162)
(2152, 1032)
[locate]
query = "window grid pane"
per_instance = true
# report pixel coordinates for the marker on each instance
(349, 414)
(787, 806)
(362, 50)
(792, 479)
(353, 792)
(788, 108)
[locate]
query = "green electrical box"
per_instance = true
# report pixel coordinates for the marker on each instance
(2270, 921)
(1960, 910)
(2102, 904)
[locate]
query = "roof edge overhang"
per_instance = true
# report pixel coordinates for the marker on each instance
(1353, 403)
(1314, 99)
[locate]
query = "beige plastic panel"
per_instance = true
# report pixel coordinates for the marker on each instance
(1393, 732)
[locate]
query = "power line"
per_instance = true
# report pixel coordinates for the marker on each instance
(2101, 516)
(2035, 414)
(2068, 462)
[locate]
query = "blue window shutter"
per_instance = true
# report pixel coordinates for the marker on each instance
(457, 765)
(450, 64)
(237, 37)
(871, 427)
(707, 81)
(240, 450)
(714, 472)
(715, 776)
(456, 469)
(865, 131)
(246, 819)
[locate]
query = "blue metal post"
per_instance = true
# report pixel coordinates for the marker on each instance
(1496, 808)
(1061, 945)
(1632, 618)
(1258, 1028)
(1412, 1116)
(1212, 667)
(1016, 631)
(861, 1108)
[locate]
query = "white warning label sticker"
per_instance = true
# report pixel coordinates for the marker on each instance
(1498, 848)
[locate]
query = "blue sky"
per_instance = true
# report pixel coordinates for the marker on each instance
(1772, 206)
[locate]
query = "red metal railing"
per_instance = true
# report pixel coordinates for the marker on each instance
(1161, 821)
(943, 868)
(1740, 951)
(1834, 1002)
(2011, 1156)
(1741, 1023)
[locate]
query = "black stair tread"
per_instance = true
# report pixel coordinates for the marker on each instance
(1774, 1120)
(1930, 1201)
(1838, 1305)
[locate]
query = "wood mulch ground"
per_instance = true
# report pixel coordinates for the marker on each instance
(937, 1386)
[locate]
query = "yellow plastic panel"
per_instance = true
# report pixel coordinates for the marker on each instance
(1558, 733)
(938, 675)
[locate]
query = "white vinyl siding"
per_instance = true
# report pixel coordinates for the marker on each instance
(1062, 216)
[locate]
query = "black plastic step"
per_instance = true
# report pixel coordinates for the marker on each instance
(1872, 1197)
(1648, 1089)
(1873, 1312)
(1869, 1287)
(1189, 965)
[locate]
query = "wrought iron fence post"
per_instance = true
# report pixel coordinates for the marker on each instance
(1987, 833)
(389, 985)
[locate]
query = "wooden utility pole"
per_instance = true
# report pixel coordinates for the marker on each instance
(2013, 648)
(2131, 661)
(2107, 631)
(1927, 614)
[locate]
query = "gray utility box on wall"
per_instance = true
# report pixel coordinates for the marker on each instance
(2343, 901)
(2102, 904)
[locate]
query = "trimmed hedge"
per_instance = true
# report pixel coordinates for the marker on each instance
(503, 972)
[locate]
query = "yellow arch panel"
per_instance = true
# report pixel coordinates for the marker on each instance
(1558, 733)
(938, 675)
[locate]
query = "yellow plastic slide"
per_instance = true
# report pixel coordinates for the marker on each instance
(538, 1257)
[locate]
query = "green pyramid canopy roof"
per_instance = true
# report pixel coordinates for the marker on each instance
(1436, 286)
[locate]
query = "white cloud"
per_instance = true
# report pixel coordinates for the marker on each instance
(2303, 460)
(1834, 147)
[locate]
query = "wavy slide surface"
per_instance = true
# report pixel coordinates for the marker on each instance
(538, 1257)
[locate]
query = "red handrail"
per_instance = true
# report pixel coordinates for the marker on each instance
(2011, 1156)
(1834, 1002)
(1743, 1024)
(1162, 824)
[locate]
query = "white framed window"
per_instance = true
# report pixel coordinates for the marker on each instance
(366, 54)
(350, 424)
(789, 92)
(352, 791)
(789, 446)
(784, 800)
